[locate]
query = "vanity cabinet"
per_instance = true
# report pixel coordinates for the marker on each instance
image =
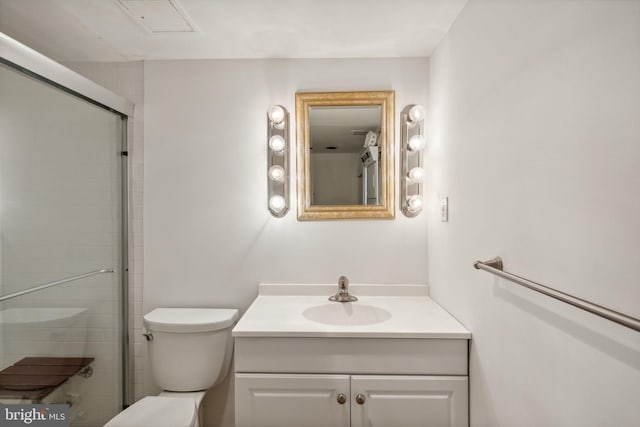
(357, 382)
(394, 358)
(300, 400)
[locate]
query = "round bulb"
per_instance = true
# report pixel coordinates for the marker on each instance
(417, 143)
(276, 113)
(414, 203)
(277, 144)
(277, 203)
(416, 113)
(276, 173)
(416, 174)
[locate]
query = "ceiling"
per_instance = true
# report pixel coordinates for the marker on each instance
(114, 30)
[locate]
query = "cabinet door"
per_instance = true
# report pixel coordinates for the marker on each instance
(408, 401)
(280, 400)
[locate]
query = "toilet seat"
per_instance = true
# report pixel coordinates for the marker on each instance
(157, 411)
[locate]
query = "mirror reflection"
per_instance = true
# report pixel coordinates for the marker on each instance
(345, 155)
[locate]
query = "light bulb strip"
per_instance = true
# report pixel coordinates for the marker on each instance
(411, 196)
(277, 161)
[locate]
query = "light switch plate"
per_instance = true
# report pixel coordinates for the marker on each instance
(444, 209)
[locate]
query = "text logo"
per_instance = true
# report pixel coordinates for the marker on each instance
(35, 415)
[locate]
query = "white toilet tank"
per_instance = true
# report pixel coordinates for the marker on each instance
(191, 348)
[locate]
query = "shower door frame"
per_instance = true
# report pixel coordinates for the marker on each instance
(33, 64)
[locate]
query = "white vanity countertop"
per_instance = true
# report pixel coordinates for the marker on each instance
(382, 311)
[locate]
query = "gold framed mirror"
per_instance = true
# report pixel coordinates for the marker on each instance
(345, 164)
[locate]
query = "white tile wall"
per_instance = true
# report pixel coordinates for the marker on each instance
(127, 80)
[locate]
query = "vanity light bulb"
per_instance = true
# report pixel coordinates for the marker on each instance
(417, 143)
(276, 173)
(276, 114)
(416, 175)
(416, 114)
(277, 203)
(415, 203)
(277, 144)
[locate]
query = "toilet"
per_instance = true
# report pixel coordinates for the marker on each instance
(190, 351)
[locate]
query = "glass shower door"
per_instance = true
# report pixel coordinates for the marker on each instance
(61, 216)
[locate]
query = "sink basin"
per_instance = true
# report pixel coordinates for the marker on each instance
(292, 310)
(347, 314)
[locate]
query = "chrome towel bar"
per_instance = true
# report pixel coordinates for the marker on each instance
(56, 283)
(495, 266)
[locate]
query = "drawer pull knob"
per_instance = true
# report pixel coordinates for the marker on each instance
(360, 399)
(342, 398)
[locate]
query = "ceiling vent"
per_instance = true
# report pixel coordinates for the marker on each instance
(159, 16)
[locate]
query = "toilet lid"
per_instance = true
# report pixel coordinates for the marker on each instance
(189, 320)
(157, 411)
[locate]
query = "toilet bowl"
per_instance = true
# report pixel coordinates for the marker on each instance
(190, 351)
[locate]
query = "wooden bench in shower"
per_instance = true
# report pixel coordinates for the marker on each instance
(34, 378)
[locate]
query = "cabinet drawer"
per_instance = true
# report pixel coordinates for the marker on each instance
(352, 355)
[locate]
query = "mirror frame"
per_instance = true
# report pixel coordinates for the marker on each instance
(386, 209)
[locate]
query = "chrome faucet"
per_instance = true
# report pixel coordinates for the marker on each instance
(343, 291)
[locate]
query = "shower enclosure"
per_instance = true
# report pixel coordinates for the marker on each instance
(63, 240)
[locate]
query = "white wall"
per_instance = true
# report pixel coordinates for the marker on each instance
(535, 139)
(208, 236)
